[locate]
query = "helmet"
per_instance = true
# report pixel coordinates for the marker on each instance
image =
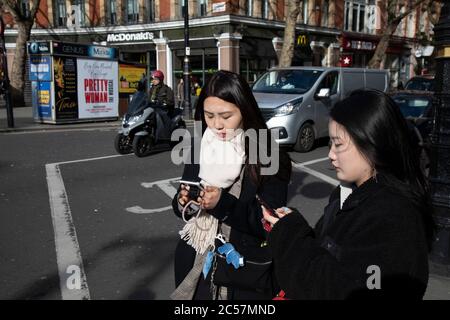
(158, 74)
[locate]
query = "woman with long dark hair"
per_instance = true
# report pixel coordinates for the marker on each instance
(222, 253)
(375, 242)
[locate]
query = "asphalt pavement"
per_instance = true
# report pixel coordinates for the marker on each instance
(121, 227)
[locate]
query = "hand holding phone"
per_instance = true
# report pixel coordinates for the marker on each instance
(190, 191)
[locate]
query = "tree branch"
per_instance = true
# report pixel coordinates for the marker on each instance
(407, 12)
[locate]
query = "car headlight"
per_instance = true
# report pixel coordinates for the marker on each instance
(288, 108)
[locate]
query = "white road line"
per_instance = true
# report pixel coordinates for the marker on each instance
(66, 242)
(93, 159)
(166, 186)
(317, 174)
(140, 210)
(68, 251)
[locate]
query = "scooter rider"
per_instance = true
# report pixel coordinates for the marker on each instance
(161, 94)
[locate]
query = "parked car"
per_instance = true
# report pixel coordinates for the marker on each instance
(417, 108)
(296, 101)
(420, 83)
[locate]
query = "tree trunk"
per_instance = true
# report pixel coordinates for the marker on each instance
(287, 51)
(382, 46)
(392, 24)
(18, 67)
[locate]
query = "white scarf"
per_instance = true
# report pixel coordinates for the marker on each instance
(220, 165)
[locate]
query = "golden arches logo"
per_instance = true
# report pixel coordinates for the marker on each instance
(302, 40)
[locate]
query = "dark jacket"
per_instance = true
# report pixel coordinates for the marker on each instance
(244, 216)
(377, 226)
(163, 96)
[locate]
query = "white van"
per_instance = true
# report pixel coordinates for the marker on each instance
(296, 100)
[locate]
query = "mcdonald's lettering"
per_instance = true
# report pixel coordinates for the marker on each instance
(302, 40)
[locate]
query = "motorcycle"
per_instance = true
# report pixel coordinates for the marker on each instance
(145, 125)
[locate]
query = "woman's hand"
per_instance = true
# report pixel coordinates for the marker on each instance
(183, 196)
(280, 212)
(209, 197)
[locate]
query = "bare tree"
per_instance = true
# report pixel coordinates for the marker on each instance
(24, 19)
(394, 14)
(287, 51)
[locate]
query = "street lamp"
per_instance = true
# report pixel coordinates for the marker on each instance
(440, 146)
(186, 71)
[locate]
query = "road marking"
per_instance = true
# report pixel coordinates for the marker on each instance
(66, 242)
(93, 159)
(317, 174)
(68, 251)
(140, 210)
(165, 186)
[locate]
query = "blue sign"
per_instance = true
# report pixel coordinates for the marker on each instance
(40, 68)
(41, 99)
(102, 52)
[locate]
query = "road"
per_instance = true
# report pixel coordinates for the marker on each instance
(81, 222)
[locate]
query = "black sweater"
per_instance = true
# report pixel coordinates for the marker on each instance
(377, 226)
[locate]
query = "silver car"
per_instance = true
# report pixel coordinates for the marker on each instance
(296, 101)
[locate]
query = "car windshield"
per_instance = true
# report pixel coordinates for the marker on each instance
(287, 81)
(421, 84)
(412, 107)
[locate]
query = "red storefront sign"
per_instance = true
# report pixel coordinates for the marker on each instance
(346, 60)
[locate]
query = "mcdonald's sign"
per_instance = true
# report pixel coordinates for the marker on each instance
(302, 40)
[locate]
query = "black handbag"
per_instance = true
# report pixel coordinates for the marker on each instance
(256, 274)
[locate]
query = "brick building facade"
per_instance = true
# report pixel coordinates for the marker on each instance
(240, 35)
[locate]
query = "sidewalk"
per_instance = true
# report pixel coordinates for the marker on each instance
(23, 121)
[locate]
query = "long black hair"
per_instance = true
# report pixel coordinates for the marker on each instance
(377, 127)
(233, 88)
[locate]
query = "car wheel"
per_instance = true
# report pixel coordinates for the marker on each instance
(305, 139)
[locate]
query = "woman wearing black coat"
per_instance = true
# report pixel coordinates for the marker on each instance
(375, 242)
(228, 202)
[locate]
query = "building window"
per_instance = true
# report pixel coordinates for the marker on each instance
(305, 12)
(60, 13)
(78, 12)
(132, 11)
(151, 10)
(355, 15)
(25, 8)
(202, 8)
(182, 8)
(265, 9)
(325, 13)
(111, 12)
(249, 8)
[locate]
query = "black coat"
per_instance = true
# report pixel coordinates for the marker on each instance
(377, 226)
(163, 96)
(244, 216)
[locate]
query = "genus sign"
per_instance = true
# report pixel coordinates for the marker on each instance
(119, 37)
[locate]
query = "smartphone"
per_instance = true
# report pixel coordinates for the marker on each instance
(265, 205)
(192, 183)
(194, 190)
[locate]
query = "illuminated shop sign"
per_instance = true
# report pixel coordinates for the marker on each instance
(120, 37)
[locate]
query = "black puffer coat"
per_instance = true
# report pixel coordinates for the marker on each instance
(377, 228)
